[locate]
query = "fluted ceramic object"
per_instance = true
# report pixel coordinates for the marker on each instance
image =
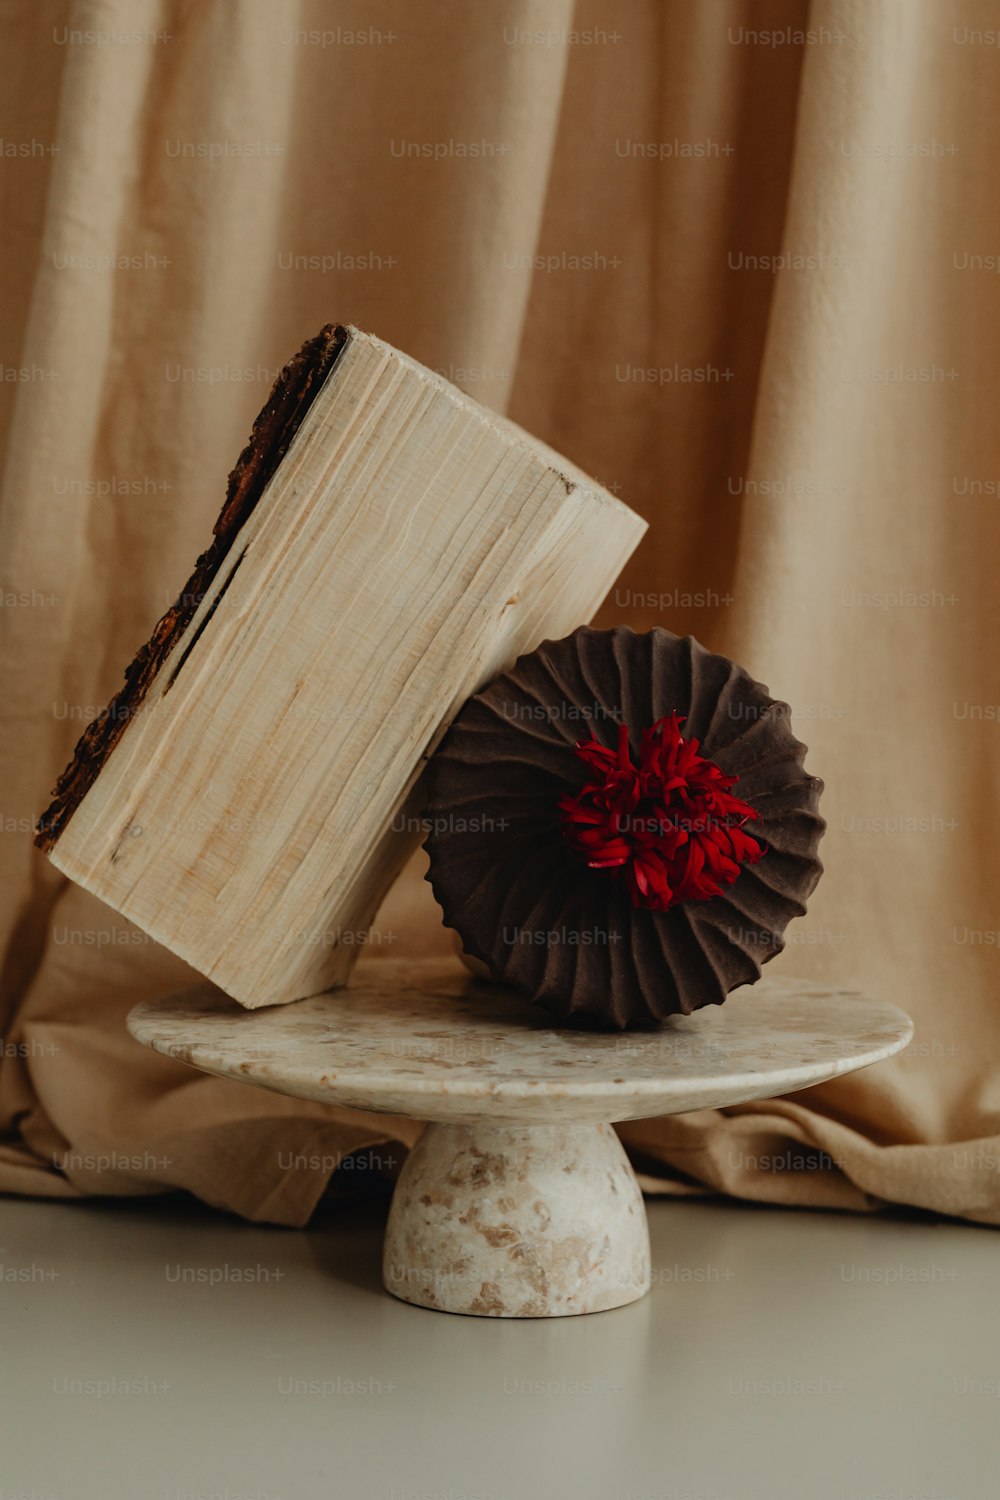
(526, 903)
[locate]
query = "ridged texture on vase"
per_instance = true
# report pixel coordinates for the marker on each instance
(526, 904)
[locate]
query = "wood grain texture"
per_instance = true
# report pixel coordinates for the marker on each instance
(409, 545)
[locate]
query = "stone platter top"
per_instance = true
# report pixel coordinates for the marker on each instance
(424, 1039)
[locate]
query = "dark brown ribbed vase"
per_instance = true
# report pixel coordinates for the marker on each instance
(523, 901)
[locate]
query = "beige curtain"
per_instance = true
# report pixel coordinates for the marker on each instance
(744, 277)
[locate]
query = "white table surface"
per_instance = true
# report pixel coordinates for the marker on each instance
(780, 1356)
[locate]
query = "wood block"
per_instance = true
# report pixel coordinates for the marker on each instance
(387, 546)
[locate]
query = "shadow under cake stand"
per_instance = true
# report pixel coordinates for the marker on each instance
(518, 1200)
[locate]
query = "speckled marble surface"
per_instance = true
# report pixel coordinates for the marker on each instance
(424, 1039)
(518, 1201)
(517, 1221)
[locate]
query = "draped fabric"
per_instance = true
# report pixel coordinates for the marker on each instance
(738, 260)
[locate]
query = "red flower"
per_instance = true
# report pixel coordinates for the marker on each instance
(669, 827)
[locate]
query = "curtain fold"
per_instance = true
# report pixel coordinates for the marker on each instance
(738, 261)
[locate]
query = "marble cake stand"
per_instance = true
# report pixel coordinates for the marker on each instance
(518, 1200)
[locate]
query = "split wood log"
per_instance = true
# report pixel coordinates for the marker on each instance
(386, 547)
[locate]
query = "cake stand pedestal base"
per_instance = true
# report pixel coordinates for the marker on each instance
(518, 1201)
(517, 1221)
